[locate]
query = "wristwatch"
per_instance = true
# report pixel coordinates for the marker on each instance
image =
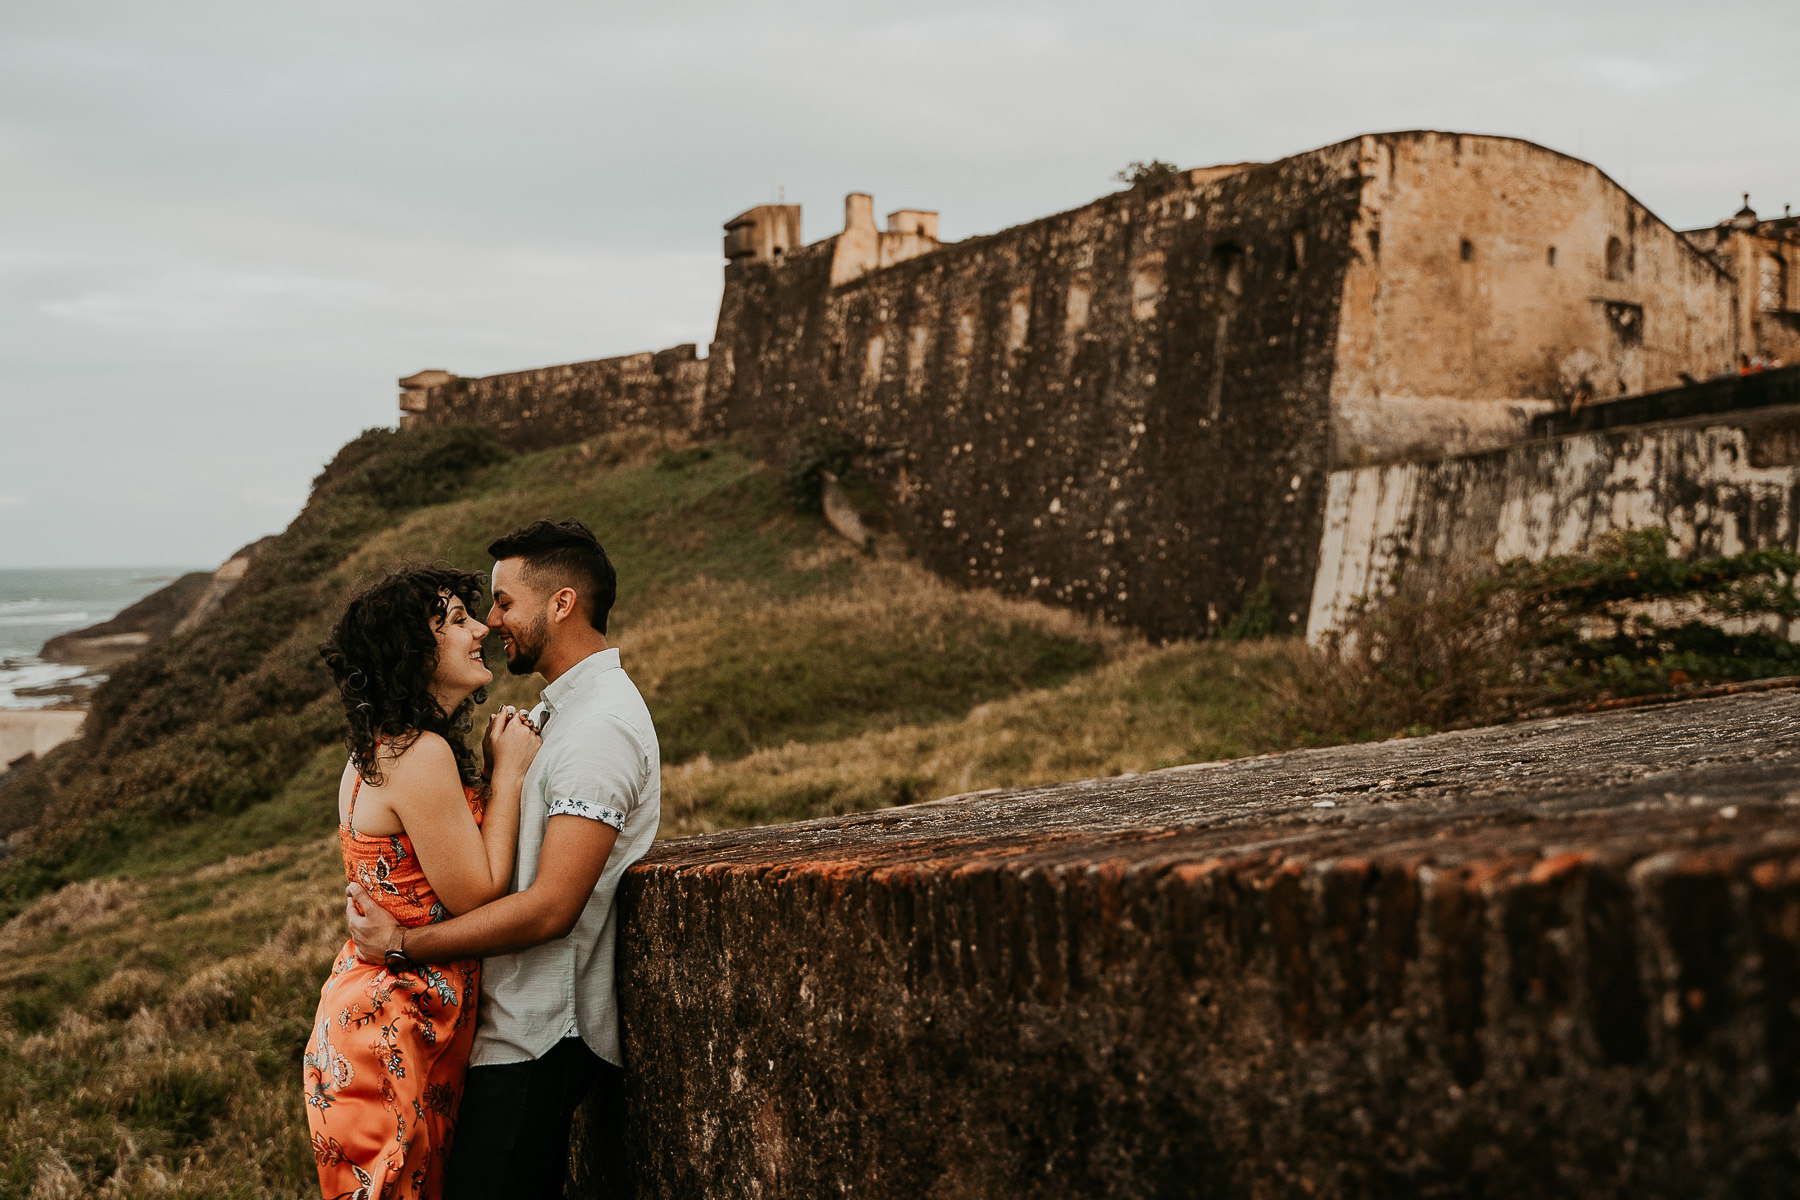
(395, 959)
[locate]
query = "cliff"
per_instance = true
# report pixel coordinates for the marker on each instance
(168, 611)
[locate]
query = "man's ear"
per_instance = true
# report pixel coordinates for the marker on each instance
(564, 604)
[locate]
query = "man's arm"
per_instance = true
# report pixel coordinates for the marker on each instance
(574, 855)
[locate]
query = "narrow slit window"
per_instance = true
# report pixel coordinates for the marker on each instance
(1550, 256)
(1468, 250)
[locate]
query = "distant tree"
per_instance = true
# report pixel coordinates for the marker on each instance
(1156, 171)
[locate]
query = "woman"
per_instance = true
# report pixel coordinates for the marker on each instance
(384, 1067)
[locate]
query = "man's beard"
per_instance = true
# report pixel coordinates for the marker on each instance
(527, 648)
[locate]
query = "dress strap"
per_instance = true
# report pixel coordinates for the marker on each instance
(356, 787)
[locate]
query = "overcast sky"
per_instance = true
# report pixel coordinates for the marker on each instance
(226, 228)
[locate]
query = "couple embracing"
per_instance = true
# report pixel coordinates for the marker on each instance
(490, 879)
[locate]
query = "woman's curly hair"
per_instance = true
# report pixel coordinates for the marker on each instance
(383, 653)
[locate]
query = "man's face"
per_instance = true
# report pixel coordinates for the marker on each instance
(519, 616)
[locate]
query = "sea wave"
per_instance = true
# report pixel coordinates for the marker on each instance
(19, 674)
(61, 618)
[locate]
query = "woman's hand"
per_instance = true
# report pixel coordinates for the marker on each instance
(510, 742)
(372, 928)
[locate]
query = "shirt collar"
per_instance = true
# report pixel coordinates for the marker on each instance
(572, 681)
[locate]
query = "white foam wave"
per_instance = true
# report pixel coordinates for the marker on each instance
(61, 618)
(18, 674)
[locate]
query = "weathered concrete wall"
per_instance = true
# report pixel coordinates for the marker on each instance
(553, 406)
(1122, 408)
(1560, 958)
(1721, 484)
(1483, 292)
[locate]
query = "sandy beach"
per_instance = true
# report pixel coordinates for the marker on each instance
(34, 731)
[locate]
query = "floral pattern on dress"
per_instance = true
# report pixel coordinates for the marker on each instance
(383, 1070)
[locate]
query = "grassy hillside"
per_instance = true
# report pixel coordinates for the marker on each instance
(174, 901)
(172, 895)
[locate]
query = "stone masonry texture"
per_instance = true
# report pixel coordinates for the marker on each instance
(1133, 408)
(1556, 958)
(1720, 484)
(1124, 408)
(553, 406)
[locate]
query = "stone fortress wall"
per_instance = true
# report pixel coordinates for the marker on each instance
(1141, 407)
(1553, 958)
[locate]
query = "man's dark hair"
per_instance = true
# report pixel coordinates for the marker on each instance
(561, 554)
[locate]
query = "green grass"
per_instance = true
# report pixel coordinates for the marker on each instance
(153, 1010)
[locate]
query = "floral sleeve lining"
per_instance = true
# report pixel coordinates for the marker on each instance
(569, 806)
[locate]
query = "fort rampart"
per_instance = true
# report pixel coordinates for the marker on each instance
(1717, 465)
(553, 406)
(1136, 408)
(1560, 958)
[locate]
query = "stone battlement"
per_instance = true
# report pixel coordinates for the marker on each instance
(1554, 958)
(553, 406)
(1142, 407)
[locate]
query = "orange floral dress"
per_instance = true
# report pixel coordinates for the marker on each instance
(384, 1066)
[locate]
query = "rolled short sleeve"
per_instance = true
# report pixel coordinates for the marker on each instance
(599, 774)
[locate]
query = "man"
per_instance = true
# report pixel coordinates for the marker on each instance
(548, 1027)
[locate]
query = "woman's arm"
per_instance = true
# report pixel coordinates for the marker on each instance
(467, 865)
(575, 854)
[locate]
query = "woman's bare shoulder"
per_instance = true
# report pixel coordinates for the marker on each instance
(424, 767)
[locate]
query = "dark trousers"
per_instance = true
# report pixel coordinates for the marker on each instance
(512, 1133)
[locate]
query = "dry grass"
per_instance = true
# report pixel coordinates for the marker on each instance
(177, 1073)
(1153, 708)
(730, 668)
(77, 906)
(151, 1040)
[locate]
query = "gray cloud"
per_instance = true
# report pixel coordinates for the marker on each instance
(225, 229)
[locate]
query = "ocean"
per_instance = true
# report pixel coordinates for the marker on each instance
(36, 604)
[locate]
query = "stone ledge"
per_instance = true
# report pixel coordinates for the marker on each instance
(1560, 957)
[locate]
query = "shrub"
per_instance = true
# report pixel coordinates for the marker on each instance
(1152, 174)
(1627, 618)
(1256, 619)
(820, 450)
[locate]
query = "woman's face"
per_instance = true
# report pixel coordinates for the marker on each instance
(460, 670)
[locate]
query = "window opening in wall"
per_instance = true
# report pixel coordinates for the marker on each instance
(834, 361)
(1550, 256)
(1468, 250)
(1296, 258)
(1228, 265)
(1018, 325)
(1228, 269)
(1771, 284)
(1147, 285)
(874, 358)
(1615, 258)
(1075, 310)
